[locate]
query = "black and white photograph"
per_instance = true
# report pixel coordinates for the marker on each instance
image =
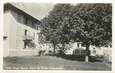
(57, 36)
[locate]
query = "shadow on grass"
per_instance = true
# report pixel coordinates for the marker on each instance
(79, 58)
(67, 57)
(10, 59)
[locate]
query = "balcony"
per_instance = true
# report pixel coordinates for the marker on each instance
(27, 38)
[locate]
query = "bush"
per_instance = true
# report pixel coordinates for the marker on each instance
(41, 52)
(79, 51)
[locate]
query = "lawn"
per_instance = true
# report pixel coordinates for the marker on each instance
(51, 63)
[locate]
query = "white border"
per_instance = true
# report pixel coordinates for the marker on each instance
(1, 35)
(55, 1)
(62, 1)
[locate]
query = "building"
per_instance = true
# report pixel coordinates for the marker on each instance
(105, 52)
(21, 32)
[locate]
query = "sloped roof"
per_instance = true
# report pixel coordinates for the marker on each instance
(9, 6)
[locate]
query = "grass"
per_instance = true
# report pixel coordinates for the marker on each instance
(51, 63)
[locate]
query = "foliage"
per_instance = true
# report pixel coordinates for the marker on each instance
(53, 26)
(87, 23)
(93, 23)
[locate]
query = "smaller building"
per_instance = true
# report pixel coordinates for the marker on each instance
(94, 51)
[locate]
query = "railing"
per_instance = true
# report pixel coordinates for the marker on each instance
(27, 38)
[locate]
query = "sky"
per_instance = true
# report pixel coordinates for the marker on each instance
(37, 10)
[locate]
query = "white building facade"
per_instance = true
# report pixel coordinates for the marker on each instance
(21, 32)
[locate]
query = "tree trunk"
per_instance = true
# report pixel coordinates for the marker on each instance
(54, 49)
(87, 53)
(63, 48)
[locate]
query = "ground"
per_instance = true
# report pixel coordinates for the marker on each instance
(52, 62)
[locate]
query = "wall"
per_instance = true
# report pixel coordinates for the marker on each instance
(6, 33)
(14, 45)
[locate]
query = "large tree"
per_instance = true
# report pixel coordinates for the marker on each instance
(92, 24)
(87, 23)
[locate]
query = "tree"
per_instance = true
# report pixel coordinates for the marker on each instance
(92, 24)
(53, 26)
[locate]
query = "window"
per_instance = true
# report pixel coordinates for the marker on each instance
(29, 22)
(5, 37)
(34, 35)
(25, 32)
(78, 45)
(25, 44)
(25, 20)
(19, 17)
(34, 25)
(37, 27)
